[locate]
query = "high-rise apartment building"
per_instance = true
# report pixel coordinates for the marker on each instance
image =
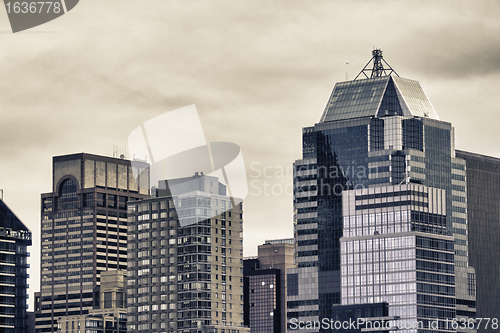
(369, 169)
(15, 238)
(483, 211)
(84, 231)
(265, 286)
(185, 265)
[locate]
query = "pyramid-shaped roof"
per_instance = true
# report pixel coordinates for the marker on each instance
(378, 97)
(9, 220)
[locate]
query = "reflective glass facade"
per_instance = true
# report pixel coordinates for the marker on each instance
(375, 133)
(265, 286)
(378, 96)
(264, 308)
(396, 249)
(15, 238)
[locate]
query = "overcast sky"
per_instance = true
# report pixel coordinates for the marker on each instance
(258, 71)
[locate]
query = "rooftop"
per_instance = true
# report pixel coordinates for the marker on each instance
(378, 96)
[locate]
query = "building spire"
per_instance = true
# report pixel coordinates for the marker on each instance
(378, 66)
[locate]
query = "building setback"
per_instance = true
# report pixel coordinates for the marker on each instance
(110, 317)
(15, 238)
(483, 211)
(84, 231)
(375, 133)
(185, 267)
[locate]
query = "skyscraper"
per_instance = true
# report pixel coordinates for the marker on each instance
(483, 210)
(15, 238)
(84, 231)
(370, 167)
(396, 249)
(185, 269)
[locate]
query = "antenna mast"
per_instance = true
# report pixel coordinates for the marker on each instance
(378, 66)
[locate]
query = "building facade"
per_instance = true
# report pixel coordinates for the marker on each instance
(265, 286)
(483, 207)
(15, 238)
(84, 231)
(278, 254)
(110, 317)
(396, 249)
(185, 268)
(262, 306)
(375, 132)
(371, 316)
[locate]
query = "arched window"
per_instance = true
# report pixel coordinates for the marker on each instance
(67, 191)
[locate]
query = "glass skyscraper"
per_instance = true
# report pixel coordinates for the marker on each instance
(15, 238)
(396, 249)
(369, 170)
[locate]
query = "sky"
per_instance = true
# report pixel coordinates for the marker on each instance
(257, 71)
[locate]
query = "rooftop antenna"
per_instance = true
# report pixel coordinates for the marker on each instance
(119, 152)
(377, 68)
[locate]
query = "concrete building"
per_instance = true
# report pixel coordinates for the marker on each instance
(84, 231)
(185, 269)
(111, 317)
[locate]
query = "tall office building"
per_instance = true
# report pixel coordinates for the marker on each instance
(84, 231)
(483, 210)
(265, 286)
(185, 268)
(380, 143)
(15, 238)
(396, 249)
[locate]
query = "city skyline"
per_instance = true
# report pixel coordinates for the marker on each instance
(277, 63)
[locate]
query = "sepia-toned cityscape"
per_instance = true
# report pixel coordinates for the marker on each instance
(394, 230)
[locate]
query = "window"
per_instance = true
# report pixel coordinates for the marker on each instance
(472, 283)
(68, 198)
